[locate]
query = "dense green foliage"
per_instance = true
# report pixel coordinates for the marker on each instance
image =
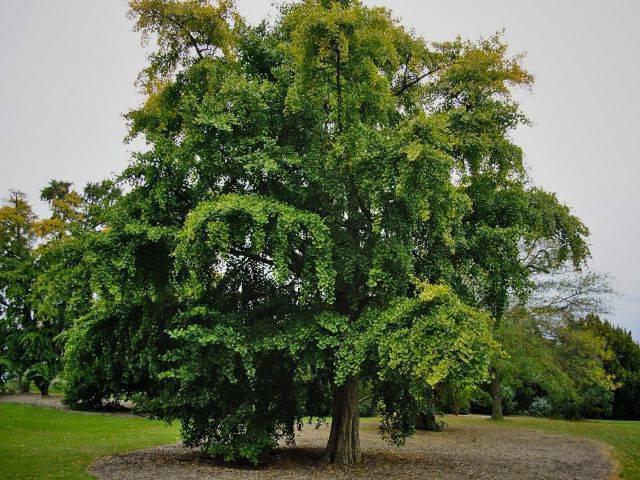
(564, 367)
(43, 289)
(20, 334)
(623, 364)
(48, 443)
(325, 202)
(296, 199)
(551, 359)
(560, 374)
(551, 364)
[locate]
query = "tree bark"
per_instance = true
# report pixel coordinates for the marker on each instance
(496, 399)
(428, 421)
(43, 386)
(344, 440)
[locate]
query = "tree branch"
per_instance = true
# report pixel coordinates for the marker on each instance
(417, 80)
(251, 256)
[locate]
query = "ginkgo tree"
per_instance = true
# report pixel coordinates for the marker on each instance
(290, 232)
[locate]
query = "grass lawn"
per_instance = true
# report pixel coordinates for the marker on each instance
(623, 436)
(45, 443)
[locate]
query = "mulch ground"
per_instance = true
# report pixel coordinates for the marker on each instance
(461, 452)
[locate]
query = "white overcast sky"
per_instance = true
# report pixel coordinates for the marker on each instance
(67, 69)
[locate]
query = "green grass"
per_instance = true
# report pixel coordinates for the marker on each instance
(45, 443)
(623, 436)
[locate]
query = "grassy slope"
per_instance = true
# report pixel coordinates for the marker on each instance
(45, 443)
(623, 436)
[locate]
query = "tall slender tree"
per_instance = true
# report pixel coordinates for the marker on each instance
(17, 240)
(61, 290)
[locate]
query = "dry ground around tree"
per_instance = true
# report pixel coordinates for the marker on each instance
(462, 452)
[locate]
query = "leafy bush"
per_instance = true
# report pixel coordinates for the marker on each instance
(455, 400)
(10, 386)
(58, 385)
(541, 407)
(596, 403)
(367, 408)
(509, 404)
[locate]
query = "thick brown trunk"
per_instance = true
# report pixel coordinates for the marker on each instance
(344, 440)
(496, 399)
(43, 387)
(428, 421)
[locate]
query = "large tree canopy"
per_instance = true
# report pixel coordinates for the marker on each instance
(319, 199)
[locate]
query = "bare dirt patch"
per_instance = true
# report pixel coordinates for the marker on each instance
(461, 452)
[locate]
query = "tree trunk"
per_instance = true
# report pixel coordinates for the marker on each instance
(496, 399)
(43, 386)
(344, 440)
(427, 421)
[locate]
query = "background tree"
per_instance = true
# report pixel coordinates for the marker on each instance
(559, 300)
(40, 284)
(46, 342)
(545, 357)
(62, 290)
(17, 240)
(564, 365)
(583, 355)
(623, 365)
(512, 230)
(562, 296)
